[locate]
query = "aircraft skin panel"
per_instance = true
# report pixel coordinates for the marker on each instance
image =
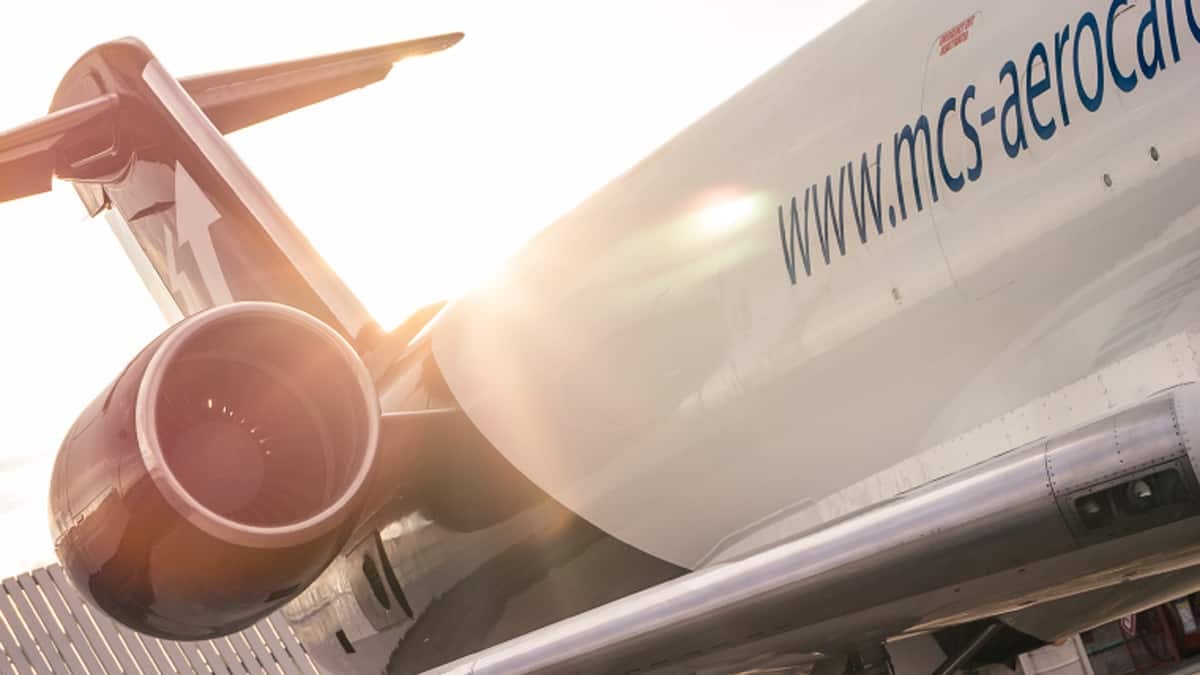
(990, 540)
(1159, 367)
(915, 295)
(718, 336)
(239, 98)
(454, 536)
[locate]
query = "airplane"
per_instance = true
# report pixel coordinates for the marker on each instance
(901, 340)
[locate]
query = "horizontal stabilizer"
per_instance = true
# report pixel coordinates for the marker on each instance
(235, 99)
(30, 155)
(79, 142)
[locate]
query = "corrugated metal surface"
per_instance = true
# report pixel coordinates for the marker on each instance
(46, 628)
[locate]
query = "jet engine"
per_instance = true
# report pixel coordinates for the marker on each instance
(219, 474)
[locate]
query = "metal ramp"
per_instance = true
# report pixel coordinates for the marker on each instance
(46, 628)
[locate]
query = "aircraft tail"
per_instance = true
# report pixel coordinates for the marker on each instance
(148, 149)
(235, 99)
(31, 154)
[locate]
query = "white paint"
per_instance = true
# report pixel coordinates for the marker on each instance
(194, 213)
(489, 141)
(665, 380)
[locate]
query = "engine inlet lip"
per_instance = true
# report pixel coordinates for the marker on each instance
(221, 527)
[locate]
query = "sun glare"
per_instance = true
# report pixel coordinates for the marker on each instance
(726, 211)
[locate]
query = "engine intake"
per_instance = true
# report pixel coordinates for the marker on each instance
(219, 474)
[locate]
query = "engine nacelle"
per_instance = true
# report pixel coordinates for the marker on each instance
(219, 474)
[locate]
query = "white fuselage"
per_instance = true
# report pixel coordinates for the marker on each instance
(680, 362)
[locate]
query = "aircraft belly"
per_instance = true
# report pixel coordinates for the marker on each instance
(648, 362)
(1108, 502)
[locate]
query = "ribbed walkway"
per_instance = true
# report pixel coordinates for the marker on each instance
(46, 628)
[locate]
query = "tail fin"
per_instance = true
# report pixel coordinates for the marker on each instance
(195, 221)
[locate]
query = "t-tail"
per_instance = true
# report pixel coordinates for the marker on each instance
(148, 149)
(248, 432)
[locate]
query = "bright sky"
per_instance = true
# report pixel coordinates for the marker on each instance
(411, 188)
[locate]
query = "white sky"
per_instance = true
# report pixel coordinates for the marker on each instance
(411, 188)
